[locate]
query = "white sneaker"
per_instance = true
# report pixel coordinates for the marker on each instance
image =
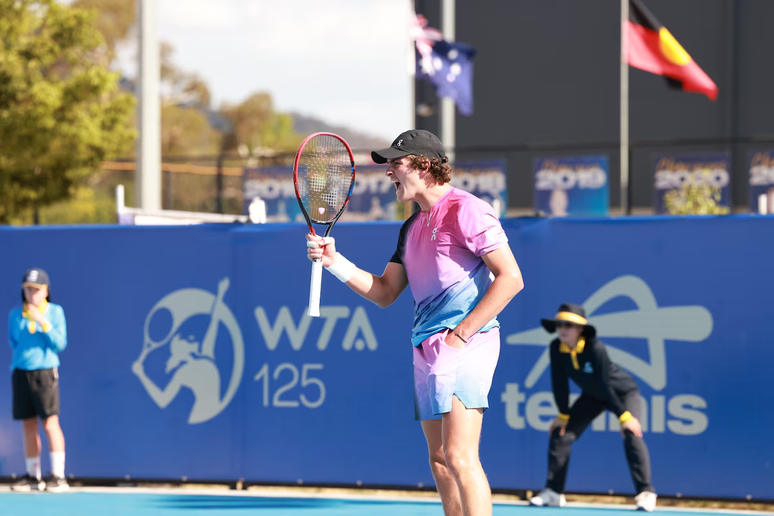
(548, 498)
(27, 484)
(646, 501)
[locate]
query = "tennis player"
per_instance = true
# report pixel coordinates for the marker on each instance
(577, 354)
(37, 334)
(455, 255)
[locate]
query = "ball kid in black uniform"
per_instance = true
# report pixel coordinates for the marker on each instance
(577, 354)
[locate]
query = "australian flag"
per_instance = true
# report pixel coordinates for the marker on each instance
(447, 65)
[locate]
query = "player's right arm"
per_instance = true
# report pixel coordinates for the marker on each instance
(381, 290)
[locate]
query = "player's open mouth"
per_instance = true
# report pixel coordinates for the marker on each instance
(397, 185)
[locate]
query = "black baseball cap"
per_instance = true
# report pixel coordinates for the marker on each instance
(416, 141)
(35, 277)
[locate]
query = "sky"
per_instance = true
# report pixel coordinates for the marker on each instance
(344, 61)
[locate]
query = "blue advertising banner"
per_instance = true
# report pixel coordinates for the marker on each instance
(486, 179)
(190, 354)
(273, 185)
(761, 181)
(373, 197)
(672, 171)
(574, 185)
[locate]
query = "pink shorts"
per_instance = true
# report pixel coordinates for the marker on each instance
(441, 372)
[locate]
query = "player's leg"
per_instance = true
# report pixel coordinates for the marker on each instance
(444, 480)
(463, 411)
(32, 444)
(48, 401)
(638, 457)
(425, 356)
(582, 413)
(24, 410)
(461, 437)
(56, 443)
(455, 384)
(54, 434)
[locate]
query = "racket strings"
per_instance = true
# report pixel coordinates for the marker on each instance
(325, 177)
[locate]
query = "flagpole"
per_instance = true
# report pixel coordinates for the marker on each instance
(408, 206)
(148, 169)
(624, 98)
(448, 122)
(411, 59)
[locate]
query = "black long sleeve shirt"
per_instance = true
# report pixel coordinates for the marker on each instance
(591, 369)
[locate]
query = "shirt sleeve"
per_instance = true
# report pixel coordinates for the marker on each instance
(481, 230)
(57, 333)
(559, 381)
(397, 257)
(602, 365)
(13, 329)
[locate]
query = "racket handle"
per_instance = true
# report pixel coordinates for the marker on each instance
(314, 288)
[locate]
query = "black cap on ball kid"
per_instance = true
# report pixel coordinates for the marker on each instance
(35, 277)
(417, 141)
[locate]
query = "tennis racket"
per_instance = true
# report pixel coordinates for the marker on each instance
(323, 174)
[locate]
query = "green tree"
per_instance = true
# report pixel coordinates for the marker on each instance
(115, 20)
(61, 113)
(255, 124)
(179, 86)
(254, 121)
(185, 128)
(695, 197)
(187, 132)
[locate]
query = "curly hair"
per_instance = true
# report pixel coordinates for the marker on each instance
(439, 169)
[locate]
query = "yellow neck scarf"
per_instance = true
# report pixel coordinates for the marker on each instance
(30, 321)
(565, 348)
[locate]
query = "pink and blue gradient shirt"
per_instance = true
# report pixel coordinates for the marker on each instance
(441, 250)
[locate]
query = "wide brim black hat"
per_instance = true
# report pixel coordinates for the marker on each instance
(571, 313)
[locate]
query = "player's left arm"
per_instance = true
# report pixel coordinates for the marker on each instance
(507, 283)
(55, 329)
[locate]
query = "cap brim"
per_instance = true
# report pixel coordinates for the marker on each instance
(31, 284)
(381, 156)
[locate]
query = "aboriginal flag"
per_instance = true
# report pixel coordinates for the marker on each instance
(652, 48)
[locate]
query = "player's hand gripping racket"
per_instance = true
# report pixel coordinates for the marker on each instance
(323, 174)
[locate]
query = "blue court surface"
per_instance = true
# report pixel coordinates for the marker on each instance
(131, 502)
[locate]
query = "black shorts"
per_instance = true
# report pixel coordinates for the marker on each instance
(35, 393)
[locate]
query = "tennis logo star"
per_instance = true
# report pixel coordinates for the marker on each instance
(680, 323)
(192, 360)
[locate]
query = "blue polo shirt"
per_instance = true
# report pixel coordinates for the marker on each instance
(36, 349)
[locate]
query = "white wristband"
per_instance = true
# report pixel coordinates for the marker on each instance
(342, 268)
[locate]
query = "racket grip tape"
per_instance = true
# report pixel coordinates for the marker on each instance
(314, 288)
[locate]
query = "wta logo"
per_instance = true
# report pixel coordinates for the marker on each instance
(681, 414)
(184, 327)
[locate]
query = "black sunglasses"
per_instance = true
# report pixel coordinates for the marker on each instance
(562, 324)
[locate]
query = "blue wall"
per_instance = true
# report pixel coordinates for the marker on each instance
(684, 304)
